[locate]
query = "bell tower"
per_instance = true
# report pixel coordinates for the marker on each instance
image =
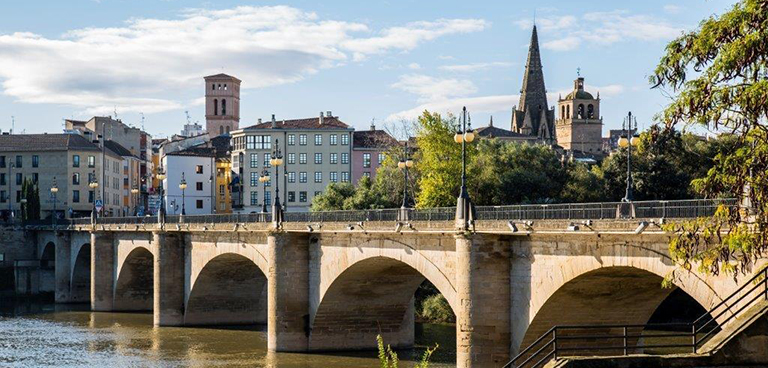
(579, 126)
(222, 104)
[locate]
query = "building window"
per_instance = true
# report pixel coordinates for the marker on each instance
(18, 162)
(35, 160)
(2, 161)
(199, 203)
(334, 139)
(254, 179)
(291, 196)
(291, 177)
(268, 183)
(318, 139)
(19, 178)
(267, 157)
(76, 196)
(302, 196)
(302, 158)
(302, 177)
(254, 160)
(268, 198)
(317, 193)
(75, 160)
(318, 158)
(35, 178)
(380, 158)
(91, 161)
(334, 177)
(344, 157)
(223, 107)
(3, 196)
(345, 139)
(2, 179)
(291, 158)
(18, 196)
(318, 176)
(258, 142)
(291, 139)
(334, 158)
(254, 198)
(367, 174)
(366, 160)
(91, 196)
(302, 139)
(222, 189)
(199, 169)
(199, 185)
(215, 107)
(345, 177)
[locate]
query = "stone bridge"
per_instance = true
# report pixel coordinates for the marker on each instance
(334, 286)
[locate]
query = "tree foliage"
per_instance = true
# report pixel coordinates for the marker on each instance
(719, 75)
(440, 161)
(31, 193)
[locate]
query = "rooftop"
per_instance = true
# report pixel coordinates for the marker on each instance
(45, 142)
(329, 122)
(372, 139)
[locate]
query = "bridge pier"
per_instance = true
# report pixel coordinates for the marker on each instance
(483, 292)
(288, 292)
(63, 267)
(169, 276)
(102, 271)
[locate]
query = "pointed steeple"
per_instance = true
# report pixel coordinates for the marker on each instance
(534, 93)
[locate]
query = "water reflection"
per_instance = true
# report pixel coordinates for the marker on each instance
(40, 334)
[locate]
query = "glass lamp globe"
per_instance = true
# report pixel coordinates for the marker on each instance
(409, 163)
(458, 137)
(623, 142)
(401, 164)
(469, 136)
(634, 141)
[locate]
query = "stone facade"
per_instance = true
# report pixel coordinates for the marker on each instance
(580, 126)
(222, 104)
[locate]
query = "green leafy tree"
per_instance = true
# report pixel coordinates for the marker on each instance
(364, 196)
(718, 74)
(31, 209)
(388, 184)
(333, 197)
(583, 185)
(440, 161)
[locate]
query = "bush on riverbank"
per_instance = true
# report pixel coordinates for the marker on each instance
(435, 309)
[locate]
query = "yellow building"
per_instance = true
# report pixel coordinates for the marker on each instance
(223, 178)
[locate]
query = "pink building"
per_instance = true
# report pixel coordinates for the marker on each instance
(368, 149)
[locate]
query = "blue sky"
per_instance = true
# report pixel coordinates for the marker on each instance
(363, 60)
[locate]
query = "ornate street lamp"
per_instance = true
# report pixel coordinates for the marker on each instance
(264, 179)
(54, 190)
(10, 202)
(276, 159)
(94, 184)
(134, 192)
(628, 140)
(183, 187)
(404, 164)
(161, 211)
(465, 210)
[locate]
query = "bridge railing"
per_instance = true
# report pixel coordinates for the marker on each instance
(690, 208)
(655, 338)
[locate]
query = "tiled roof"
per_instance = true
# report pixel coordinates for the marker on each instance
(332, 122)
(45, 142)
(494, 132)
(118, 148)
(372, 139)
(221, 76)
(195, 151)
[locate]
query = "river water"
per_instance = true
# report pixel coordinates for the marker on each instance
(37, 334)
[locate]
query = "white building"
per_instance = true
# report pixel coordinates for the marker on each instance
(197, 167)
(192, 130)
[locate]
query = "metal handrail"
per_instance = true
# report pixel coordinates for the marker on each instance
(530, 353)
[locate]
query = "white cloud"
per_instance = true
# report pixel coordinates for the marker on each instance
(563, 33)
(474, 66)
(481, 104)
(672, 9)
(434, 89)
(414, 66)
(144, 64)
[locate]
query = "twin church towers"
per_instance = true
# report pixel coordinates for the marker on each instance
(579, 126)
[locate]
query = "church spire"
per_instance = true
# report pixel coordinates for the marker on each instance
(533, 94)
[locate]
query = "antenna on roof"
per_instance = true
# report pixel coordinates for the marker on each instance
(142, 121)
(578, 72)
(189, 120)
(115, 110)
(13, 123)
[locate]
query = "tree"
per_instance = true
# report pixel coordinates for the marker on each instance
(31, 209)
(727, 90)
(583, 185)
(333, 197)
(364, 196)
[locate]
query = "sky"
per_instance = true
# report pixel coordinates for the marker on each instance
(366, 61)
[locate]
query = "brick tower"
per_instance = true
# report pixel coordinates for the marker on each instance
(222, 104)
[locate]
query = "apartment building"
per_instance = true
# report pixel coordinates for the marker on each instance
(130, 202)
(71, 161)
(316, 152)
(368, 151)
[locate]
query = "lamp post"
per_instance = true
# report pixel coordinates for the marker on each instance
(276, 160)
(264, 179)
(23, 206)
(54, 190)
(94, 184)
(161, 211)
(465, 210)
(183, 187)
(134, 192)
(11, 165)
(628, 140)
(404, 164)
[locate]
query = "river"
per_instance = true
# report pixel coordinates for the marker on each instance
(39, 334)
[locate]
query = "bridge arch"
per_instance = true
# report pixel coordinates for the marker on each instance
(80, 289)
(621, 280)
(372, 295)
(230, 289)
(134, 287)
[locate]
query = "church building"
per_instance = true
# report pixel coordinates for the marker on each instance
(580, 126)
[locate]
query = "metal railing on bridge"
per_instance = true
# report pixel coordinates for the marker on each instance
(653, 339)
(691, 208)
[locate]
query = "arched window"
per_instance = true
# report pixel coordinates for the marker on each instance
(227, 129)
(221, 130)
(562, 112)
(213, 87)
(215, 107)
(225, 87)
(581, 112)
(568, 112)
(591, 111)
(223, 107)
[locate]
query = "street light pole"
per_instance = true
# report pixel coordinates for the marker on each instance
(628, 140)
(465, 210)
(94, 185)
(161, 211)
(264, 179)
(404, 164)
(54, 190)
(183, 187)
(11, 165)
(277, 160)
(135, 192)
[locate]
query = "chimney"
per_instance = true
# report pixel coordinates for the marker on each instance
(274, 122)
(328, 114)
(259, 121)
(373, 126)
(321, 118)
